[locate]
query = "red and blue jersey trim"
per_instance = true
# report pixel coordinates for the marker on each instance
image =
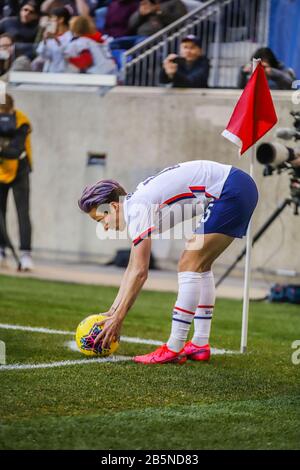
(191, 195)
(143, 235)
(177, 198)
(201, 189)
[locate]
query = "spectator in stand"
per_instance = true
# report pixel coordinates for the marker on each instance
(154, 15)
(10, 7)
(9, 60)
(23, 28)
(56, 36)
(87, 52)
(279, 77)
(189, 69)
(117, 17)
(79, 7)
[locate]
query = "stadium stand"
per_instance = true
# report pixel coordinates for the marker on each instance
(230, 32)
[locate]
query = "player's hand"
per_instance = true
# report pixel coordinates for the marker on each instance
(169, 66)
(105, 314)
(146, 8)
(110, 332)
(48, 35)
(268, 69)
(296, 163)
(247, 68)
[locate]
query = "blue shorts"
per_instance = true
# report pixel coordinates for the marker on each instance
(231, 213)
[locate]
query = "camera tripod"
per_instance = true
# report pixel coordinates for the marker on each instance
(294, 201)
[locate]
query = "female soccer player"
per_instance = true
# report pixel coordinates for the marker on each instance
(226, 197)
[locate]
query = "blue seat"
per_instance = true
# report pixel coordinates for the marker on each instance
(117, 55)
(125, 42)
(100, 17)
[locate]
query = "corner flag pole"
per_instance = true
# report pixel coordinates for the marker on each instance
(244, 336)
(253, 116)
(245, 315)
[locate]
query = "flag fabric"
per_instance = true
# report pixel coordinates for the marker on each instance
(254, 113)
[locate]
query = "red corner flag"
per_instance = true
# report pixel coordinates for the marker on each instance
(254, 113)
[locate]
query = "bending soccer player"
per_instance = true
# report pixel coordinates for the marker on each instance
(226, 197)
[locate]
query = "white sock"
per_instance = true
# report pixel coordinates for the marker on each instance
(185, 307)
(204, 312)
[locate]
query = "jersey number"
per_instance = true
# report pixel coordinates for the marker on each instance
(207, 213)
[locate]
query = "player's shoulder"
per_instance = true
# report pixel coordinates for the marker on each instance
(136, 199)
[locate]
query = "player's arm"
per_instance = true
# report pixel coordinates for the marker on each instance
(136, 275)
(119, 296)
(296, 163)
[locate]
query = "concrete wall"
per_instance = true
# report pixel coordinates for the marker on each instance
(141, 131)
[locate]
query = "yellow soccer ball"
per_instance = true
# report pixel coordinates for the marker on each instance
(86, 334)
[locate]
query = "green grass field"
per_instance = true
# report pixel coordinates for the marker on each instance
(237, 401)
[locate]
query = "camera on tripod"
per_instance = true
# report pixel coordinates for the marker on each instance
(276, 156)
(8, 128)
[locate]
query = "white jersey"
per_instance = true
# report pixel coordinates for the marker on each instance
(193, 183)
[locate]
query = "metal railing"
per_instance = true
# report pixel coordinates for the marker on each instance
(230, 31)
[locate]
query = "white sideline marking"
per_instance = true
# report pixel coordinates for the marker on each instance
(73, 347)
(128, 339)
(65, 363)
(35, 329)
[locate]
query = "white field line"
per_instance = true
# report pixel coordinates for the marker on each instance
(65, 363)
(73, 347)
(34, 329)
(128, 339)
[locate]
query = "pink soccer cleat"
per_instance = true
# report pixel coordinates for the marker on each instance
(162, 355)
(197, 353)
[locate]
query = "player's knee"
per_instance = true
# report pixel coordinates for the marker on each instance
(196, 263)
(186, 263)
(204, 266)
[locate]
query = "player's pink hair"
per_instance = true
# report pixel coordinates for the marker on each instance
(102, 192)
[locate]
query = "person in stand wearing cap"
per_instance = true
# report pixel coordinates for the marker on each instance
(189, 69)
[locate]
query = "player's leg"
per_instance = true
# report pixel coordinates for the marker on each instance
(202, 250)
(183, 313)
(225, 219)
(21, 195)
(195, 263)
(4, 188)
(192, 276)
